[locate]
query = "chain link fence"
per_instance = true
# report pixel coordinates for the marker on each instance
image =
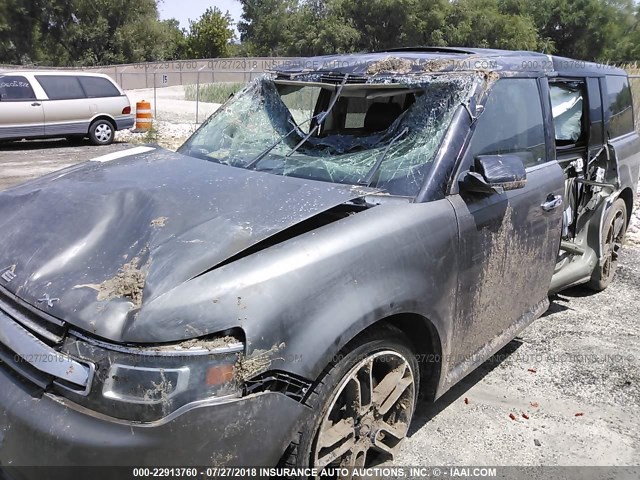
(184, 93)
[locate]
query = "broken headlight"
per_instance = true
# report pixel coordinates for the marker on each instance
(148, 383)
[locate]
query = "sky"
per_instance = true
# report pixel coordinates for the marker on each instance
(183, 10)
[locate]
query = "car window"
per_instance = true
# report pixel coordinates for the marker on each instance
(96, 87)
(15, 88)
(620, 106)
(301, 102)
(61, 87)
(567, 107)
(511, 122)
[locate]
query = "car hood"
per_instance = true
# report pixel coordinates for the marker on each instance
(93, 244)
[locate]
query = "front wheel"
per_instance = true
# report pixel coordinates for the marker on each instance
(362, 406)
(613, 230)
(101, 132)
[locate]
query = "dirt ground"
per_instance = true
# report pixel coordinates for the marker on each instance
(571, 381)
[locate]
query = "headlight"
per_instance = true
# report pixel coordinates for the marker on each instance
(148, 383)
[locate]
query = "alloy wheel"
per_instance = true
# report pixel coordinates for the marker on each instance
(369, 415)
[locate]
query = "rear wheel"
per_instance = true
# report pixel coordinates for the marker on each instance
(101, 132)
(613, 231)
(362, 406)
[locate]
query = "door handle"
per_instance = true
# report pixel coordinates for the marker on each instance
(35, 104)
(553, 202)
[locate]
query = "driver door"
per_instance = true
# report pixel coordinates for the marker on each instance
(508, 241)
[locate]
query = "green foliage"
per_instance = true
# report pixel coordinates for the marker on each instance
(212, 92)
(583, 29)
(210, 35)
(99, 32)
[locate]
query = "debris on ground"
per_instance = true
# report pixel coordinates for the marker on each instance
(537, 442)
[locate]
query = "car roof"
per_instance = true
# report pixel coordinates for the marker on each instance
(428, 60)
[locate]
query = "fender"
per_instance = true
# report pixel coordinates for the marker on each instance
(312, 294)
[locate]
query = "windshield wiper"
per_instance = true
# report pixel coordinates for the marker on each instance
(266, 151)
(322, 117)
(368, 179)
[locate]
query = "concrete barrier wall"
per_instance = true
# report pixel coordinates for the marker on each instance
(182, 72)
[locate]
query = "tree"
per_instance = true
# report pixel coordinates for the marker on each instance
(266, 25)
(85, 32)
(210, 35)
(481, 23)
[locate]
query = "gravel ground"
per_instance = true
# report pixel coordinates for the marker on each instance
(571, 382)
(575, 372)
(174, 117)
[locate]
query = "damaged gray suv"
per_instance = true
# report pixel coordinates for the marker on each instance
(333, 242)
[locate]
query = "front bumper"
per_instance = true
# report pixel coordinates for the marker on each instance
(44, 431)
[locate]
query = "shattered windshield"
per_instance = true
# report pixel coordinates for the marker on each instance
(381, 135)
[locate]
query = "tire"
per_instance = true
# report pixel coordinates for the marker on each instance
(614, 228)
(372, 428)
(102, 132)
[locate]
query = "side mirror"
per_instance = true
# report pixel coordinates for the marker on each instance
(495, 174)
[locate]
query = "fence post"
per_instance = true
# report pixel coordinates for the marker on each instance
(155, 100)
(197, 94)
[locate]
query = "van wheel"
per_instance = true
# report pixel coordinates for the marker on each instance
(613, 229)
(363, 405)
(101, 132)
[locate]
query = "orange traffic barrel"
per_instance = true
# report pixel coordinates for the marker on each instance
(143, 116)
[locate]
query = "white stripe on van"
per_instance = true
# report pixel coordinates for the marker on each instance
(123, 153)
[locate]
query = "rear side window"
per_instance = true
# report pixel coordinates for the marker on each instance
(567, 107)
(15, 88)
(61, 87)
(620, 106)
(96, 87)
(512, 122)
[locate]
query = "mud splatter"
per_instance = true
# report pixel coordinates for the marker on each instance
(258, 362)
(437, 65)
(489, 75)
(210, 344)
(390, 65)
(159, 222)
(160, 392)
(127, 283)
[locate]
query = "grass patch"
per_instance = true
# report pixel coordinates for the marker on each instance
(212, 92)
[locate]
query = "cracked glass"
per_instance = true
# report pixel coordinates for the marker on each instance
(382, 135)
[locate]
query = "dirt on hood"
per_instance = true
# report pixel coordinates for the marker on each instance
(127, 283)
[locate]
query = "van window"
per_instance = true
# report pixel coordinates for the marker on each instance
(61, 87)
(567, 108)
(96, 87)
(512, 122)
(620, 106)
(15, 88)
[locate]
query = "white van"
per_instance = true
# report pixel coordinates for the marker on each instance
(40, 104)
